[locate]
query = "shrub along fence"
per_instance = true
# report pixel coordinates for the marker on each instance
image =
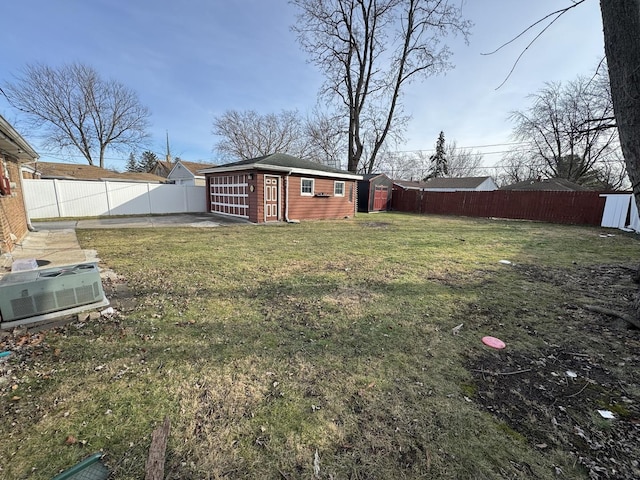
(582, 208)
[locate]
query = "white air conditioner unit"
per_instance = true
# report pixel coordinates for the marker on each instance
(35, 295)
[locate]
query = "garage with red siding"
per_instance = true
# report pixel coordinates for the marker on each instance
(281, 187)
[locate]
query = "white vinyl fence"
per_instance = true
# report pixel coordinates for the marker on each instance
(620, 211)
(78, 198)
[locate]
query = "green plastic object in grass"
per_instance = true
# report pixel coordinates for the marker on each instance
(90, 468)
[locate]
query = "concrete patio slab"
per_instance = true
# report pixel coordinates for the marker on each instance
(54, 243)
(50, 248)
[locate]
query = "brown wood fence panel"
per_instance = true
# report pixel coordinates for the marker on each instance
(405, 200)
(583, 208)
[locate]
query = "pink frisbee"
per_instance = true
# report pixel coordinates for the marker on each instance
(493, 342)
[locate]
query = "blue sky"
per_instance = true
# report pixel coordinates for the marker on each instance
(191, 61)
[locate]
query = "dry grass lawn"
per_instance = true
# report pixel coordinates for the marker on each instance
(267, 344)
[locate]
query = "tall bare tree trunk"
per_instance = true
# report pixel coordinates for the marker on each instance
(621, 23)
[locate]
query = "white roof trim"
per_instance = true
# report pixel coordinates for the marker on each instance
(179, 164)
(23, 149)
(276, 168)
(25, 167)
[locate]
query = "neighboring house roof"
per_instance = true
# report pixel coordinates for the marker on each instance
(12, 143)
(449, 184)
(75, 171)
(548, 184)
(161, 168)
(182, 167)
(195, 167)
(370, 176)
(141, 176)
(281, 162)
(467, 183)
(409, 184)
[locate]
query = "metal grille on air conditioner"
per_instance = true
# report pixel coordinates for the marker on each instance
(38, 292)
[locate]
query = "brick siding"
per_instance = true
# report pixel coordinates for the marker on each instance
(13, 216)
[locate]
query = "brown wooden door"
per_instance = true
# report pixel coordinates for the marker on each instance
(271, 198)
(380, 197)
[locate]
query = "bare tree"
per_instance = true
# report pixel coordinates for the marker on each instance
(550, 19)
(463, 162)
(516, 167)
(369, 50)
(320, 137)
(74, 108)
(326, 136)
(403, 165)
(568, 129)
(248, 134)
(621, 26)
(392, 164)
(417, 164)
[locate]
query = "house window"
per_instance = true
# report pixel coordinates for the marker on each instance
(338, 189)
(306, 186)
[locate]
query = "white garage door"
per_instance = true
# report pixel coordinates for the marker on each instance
(230, 195)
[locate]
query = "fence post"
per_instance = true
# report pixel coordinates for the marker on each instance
(106, 194)
(185, 198)
(149, 198)
(58, 199)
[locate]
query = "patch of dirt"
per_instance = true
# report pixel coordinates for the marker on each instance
(383, 225)
(552, 397)
(350, 298)
(610, 285)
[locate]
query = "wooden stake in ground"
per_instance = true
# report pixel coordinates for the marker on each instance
(154, 468)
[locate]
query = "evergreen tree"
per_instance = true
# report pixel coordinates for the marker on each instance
(439, 164)
(148, 161)
(132, 163)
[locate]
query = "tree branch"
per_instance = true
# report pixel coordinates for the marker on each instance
(557, 13)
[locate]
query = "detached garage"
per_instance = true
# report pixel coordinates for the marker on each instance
(280, 187)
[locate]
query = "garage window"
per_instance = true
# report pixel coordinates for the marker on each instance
(306, 186)
(338, 189)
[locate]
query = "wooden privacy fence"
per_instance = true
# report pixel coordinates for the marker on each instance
(582, 208)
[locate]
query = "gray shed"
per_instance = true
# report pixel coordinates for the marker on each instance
(374, 193)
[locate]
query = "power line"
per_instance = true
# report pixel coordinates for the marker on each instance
(464, 148)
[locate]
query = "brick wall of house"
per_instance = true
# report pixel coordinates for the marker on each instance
(13, 217)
